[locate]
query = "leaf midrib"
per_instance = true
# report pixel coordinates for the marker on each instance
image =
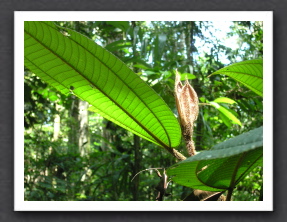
(239, 178)
(242, 73)
(205, 184)
(79, 96)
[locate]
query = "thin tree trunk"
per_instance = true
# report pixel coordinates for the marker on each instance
(83, 127)
(188, 41)
(79, 136)
(136, 167)
(73, 125)
(57, 123)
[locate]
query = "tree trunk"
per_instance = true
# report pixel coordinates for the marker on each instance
(189, 42)
(73, 125)
(57, 123)
(83, 118)
(79, 127)
(136, 167)
(78, 136)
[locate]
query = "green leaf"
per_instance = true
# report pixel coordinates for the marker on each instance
(224, 100)
(185, 76)
(73, 63)
(249, 73)
(226, 112)
(135, 60)
(222, 167)
(217, 83)
(144, 67)
(123, 25)
(225, 120)
(202, 99)
(118, 45)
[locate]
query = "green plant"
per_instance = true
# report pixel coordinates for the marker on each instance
(74, 64)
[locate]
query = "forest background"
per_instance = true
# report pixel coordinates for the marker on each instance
(74, 154)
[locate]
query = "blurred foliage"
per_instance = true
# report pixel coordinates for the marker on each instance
(154, 50)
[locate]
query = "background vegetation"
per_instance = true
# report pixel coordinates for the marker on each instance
(74, 154)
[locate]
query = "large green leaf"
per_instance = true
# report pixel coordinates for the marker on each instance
(73, 63)
(223, 166)
(249, 73)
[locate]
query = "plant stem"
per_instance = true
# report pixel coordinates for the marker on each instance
(229, 194)
(175, 153)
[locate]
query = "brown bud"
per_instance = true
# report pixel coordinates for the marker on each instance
(187, 107)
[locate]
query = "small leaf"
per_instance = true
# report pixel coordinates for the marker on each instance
(185, 76)
(226, 113)
(137, 60)
(202, 99)
(123, 25)
(249, 73)
(225, 120)
(118, 45)
(224, 100)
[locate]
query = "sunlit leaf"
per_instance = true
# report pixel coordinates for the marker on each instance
(72, 63)
(226, 113)
(202, 99)
(249, 73)
(185, 76)
(225, 120)
(222, 167)
(224, 100)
